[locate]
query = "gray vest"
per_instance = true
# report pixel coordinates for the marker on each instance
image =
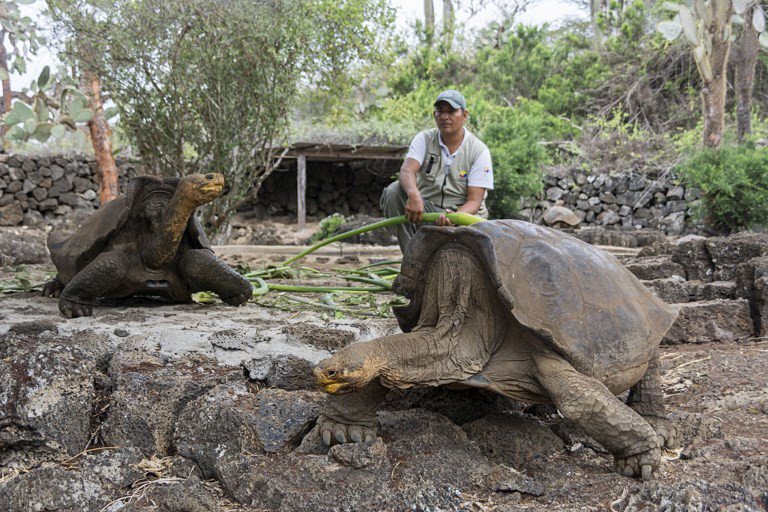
(446, 186)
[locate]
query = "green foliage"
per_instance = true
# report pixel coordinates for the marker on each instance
(328, 227)
(624, 25)
(514, 139)
(520, 65)
(209, 85)
(734, 184)
(39, 116)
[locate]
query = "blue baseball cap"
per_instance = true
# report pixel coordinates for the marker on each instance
(453, 98)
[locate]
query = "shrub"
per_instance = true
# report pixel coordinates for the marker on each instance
(734, 185)
(515, 139)
(328, 227)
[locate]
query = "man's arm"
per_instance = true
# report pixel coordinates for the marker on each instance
(475, 196)
(414, 207)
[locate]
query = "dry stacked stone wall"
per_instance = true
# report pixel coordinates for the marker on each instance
(44, 189)
(620, 200)
(345, 188)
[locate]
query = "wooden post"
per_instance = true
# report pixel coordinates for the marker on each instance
(301, 190)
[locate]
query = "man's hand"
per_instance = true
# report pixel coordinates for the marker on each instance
(414, 207)
(442, 220)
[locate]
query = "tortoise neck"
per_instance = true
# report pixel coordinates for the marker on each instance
(164, 243)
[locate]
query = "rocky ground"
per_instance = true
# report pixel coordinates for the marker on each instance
(155, 406)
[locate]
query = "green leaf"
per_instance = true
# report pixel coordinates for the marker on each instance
(739, 6)
(11, 119)
(689, 25)
(45, 76)
(30, 125)
(737, 20)
(670, 29)
(58, 130)
(111, 112)
(82, 116)
(758, 19)
(42, 132)
(17, 133)
(23, 111)
(669, 6)
(77, 105)
(763, 40)
(25, 2)
(7, 25)
(4, 74)
(41, 110)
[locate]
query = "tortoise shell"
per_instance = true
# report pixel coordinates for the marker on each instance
(73, 252)
(580, 300)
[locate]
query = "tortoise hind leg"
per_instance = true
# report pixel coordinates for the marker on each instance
(104, 274)
(204, 272)
(647, 399)
(591, 405)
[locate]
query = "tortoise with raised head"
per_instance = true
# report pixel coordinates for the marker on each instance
(525, 311)
(147, 242)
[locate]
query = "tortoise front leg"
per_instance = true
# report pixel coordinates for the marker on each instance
(647, 399)
(105, 273)
(204, 272)
(591, 405)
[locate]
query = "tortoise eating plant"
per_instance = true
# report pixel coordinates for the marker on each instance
(146, 242)
(524, 311)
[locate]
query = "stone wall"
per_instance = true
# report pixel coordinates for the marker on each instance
(345, 188)
(44, 189)
(629, 201)
(36, 190)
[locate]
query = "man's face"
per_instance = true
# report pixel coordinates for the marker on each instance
(449, 120)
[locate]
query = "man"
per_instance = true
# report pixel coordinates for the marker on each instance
(446, 169)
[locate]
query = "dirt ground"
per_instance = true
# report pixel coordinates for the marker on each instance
(716, 393)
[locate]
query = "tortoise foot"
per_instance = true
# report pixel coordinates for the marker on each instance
(335, 432)
(52, 288)
(72, 309)
(640, 465)
(237, 300)
(665, 431)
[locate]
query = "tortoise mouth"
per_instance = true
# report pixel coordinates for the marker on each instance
(336, 388)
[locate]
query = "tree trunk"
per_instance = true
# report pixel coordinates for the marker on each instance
(746, 59)
(595, 8)
(102, 142)
(449, 24)
(6, 105)
(429, 22)
(714, 78)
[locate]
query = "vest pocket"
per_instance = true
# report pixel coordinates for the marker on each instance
(429, 169)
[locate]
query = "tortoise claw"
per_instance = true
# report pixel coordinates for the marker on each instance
(71, 309)
(237, 300)
(640, 465)
(334, 432)
(52, 288)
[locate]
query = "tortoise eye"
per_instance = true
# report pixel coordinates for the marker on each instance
(209, 177)
(331, 373)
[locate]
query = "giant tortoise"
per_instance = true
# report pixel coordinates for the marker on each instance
(145, 242)
(524, 311)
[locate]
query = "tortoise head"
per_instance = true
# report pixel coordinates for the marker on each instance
(351, 369)
(201, 189)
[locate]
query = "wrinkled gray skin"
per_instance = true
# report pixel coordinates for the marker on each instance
(147, 242)
(524, 311)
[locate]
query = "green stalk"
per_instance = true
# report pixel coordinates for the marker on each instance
(459, 219)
